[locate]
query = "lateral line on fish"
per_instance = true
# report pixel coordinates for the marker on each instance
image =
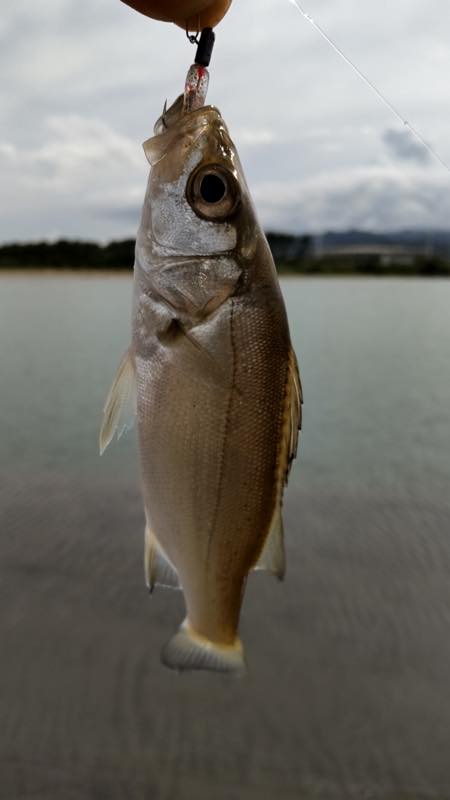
(369, 83)
(225, 434)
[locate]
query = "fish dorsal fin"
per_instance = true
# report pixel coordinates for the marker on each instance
(120, 407)
(292, 423)
(273, 557)
(158, 569)
(295, 411)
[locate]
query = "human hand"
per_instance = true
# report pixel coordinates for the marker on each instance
(193, 15)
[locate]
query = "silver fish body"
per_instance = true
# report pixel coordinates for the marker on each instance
(218, 395)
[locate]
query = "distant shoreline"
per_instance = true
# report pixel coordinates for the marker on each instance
(107, 274)
(65, 272)
(357, 253)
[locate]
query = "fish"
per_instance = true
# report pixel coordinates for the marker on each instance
(212, 378)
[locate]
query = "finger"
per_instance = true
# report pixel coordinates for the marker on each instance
(167, 10)
(208, 18)
(194, 14)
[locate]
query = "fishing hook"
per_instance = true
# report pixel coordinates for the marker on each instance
(193, 37)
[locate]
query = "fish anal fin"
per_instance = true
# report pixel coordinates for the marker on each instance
(273, 558)
(158, 569)
(188, 650)
(120, 407)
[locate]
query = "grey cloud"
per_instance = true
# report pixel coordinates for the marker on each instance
(378, 198)
(63, 182)
(403, 145)
(130, 214)
(84, 82)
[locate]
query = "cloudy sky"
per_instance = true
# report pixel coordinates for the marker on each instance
(82, 82)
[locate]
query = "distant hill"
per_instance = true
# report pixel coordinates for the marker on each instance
(408, 252)
(404, 252)
(287, 247)
(438, 242)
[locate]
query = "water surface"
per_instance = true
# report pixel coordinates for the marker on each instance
(348, 694)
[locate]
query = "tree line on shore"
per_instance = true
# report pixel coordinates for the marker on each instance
(292, 254)
(68, 254)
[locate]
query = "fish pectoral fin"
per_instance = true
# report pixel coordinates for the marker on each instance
(176, 333)
(120, 407)
(273, 558)
(158, 569)
(188, 650)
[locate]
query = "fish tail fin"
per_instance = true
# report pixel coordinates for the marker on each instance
(188, 650)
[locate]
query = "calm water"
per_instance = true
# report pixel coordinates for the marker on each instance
(349, 688)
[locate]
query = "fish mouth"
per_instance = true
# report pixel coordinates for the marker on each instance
(177, 112)
(176, 124)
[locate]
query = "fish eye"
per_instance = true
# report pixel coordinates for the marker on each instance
(212, 188)
(212, 192)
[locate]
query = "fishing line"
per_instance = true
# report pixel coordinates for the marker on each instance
(369, 83)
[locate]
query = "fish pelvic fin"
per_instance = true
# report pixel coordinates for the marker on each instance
(273, 558)
(120, 407)
(188, 650)
(159, 571)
